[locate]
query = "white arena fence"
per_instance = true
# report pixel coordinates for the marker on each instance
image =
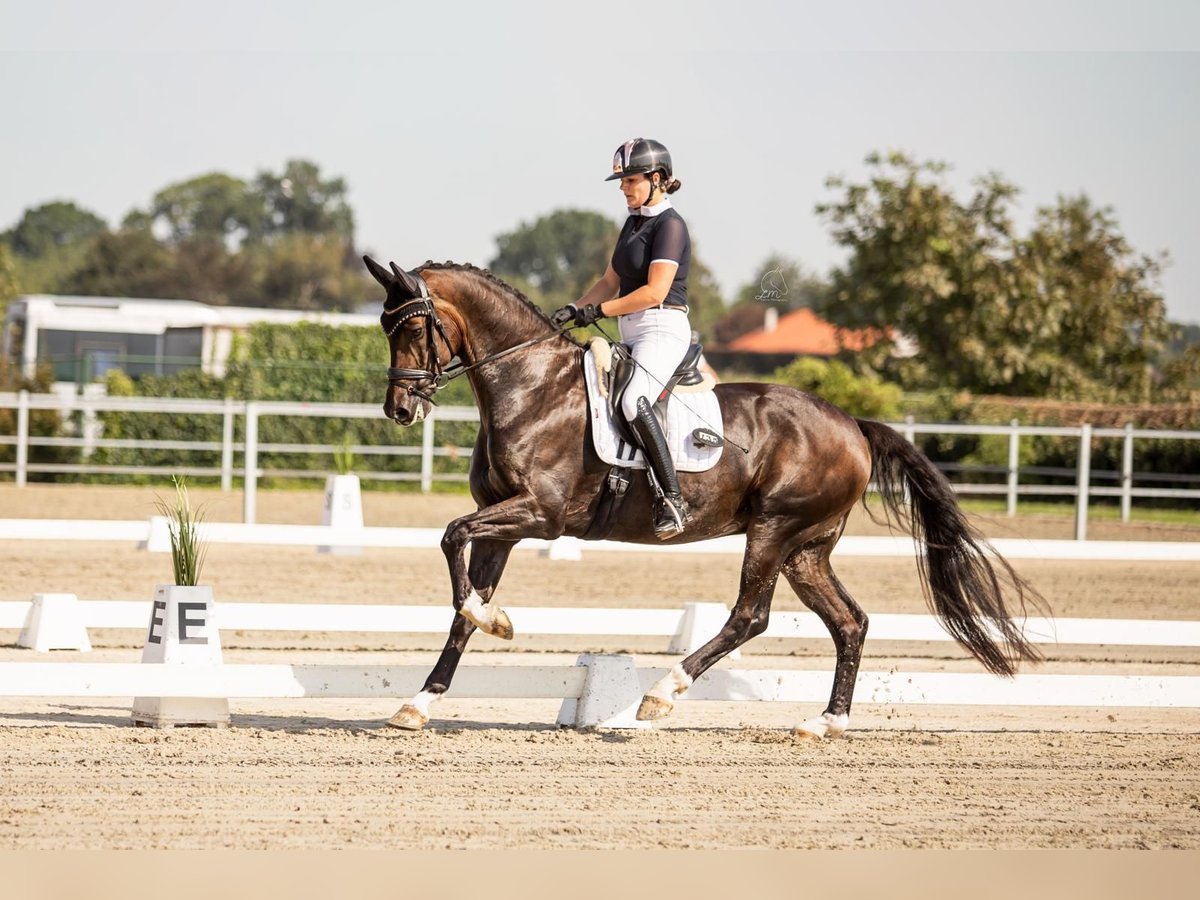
(599, 690)
(688, 627)
(152, 535)
(1128, 484)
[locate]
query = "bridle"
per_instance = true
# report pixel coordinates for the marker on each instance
(437, 377)
(410, 309)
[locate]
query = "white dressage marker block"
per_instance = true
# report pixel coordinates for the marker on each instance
(699, 624)
(343, 510)
(158, 539)
(54, 622)
(610, 697)
(183, 631)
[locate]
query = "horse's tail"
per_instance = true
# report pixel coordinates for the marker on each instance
(961, 584)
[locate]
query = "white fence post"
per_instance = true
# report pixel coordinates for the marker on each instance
(1014, 461)
(227, 447)
(250, 482)
(1084, 479)
(611, 694)
(22, 436)
(909, 432)
(427, 456)
(1127, 473)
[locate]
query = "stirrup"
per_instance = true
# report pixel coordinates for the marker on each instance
(672, 517)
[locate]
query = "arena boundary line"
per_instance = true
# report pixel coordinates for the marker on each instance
(688, 627)
(152, 533)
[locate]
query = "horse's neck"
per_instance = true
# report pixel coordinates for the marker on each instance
(527, 378)
(519, 384)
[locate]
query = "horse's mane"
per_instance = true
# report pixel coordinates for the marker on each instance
(504, 286)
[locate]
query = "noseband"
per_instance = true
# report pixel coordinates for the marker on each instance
(437, 377)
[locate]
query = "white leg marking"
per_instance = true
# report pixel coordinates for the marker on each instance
(477, 611)
(422, 702)
(825, 725)
(674, 682)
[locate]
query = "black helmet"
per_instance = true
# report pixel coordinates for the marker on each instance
(641, 156)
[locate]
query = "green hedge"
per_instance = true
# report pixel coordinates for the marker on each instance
(307, 362)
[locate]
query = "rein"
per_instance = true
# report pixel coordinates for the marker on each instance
(438, 377)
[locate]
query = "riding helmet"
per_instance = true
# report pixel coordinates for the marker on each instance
(641, 156)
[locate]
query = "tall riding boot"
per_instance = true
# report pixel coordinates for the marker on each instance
(672, 513)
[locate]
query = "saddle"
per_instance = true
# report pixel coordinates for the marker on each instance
(695, 446)
(616, 368)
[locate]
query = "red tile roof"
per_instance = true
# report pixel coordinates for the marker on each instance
(803, 332)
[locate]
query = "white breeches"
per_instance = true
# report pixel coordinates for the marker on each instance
(659, 338)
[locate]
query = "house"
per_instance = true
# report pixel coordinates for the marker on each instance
(782, 338)
(84, 337)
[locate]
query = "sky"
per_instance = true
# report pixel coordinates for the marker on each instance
(452, 125)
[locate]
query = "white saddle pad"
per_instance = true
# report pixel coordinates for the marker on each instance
(684, 414)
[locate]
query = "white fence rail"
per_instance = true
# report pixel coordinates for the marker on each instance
(599, 689)
(688, 627)
(252, 451)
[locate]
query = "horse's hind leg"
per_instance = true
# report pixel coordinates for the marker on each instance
(809, 573)
(488, 559)
(760, 570)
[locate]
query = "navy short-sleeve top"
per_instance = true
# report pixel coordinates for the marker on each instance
(652, 238)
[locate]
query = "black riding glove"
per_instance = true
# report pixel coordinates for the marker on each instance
(588, 315)
(577, 316)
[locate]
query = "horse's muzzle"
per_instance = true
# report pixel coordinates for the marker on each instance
(407, 410)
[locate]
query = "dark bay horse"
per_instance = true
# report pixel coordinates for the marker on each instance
(534, 474)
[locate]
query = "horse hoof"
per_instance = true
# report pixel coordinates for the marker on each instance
(498, 625)
(501, 626)
(653, 708)
(826, 726)
(409, 718)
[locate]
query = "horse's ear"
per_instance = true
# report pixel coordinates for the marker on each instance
(409, 283)
(379, 273)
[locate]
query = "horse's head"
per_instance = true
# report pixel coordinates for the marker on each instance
(418, 345)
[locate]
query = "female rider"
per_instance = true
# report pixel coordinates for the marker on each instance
(645, 286)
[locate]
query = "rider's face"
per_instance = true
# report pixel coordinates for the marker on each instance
(636, 189)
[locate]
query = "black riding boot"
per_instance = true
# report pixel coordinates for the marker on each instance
(672, 513)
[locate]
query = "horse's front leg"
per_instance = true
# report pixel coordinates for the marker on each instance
(510, 520)
(488, 559)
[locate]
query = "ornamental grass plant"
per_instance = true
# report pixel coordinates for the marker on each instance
(187, 550)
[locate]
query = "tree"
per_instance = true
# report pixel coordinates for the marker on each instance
(44, 229)
(299, 200)
(1070, 311)
(8, 279)
(128, 263)
(557, 257)
(705, 304)
(213, 207)
(309, 271)
(1104, 317)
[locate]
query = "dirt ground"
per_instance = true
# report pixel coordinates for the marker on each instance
(303, 773)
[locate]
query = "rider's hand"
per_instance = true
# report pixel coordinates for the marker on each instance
(588, 314)
(564, 315)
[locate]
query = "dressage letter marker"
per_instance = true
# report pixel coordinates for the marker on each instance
(182, 632)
